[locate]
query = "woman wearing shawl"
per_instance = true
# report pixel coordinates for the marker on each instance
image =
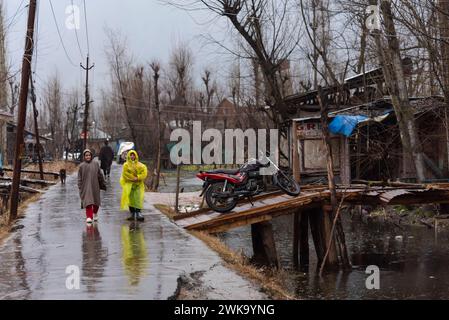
(132, 182)
(90, 179)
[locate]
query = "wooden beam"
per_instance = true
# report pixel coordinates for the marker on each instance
(236, 224)
(31, 181)
(54, 174)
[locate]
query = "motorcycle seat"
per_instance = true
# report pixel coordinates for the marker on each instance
(224, 171)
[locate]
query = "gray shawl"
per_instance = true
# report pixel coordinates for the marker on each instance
(89, 174)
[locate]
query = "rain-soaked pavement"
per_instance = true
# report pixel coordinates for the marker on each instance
(116, 259)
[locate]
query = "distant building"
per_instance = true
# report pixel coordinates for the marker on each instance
(4, 119)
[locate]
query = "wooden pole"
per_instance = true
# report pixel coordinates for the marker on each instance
(36, 128)
(86, 102)
(301, 239)
(331, 179)
(264, 246)
(178, 174)
(23, 99)
(316, 229)
(330, 258)
(295, 154)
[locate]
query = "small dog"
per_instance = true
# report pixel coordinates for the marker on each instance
(62, 175)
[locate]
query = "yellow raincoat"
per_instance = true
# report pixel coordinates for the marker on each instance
(133, 191)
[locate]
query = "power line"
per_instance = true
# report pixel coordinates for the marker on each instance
(87, 31)
(36, 37)
(60, 37)
(76, 32)
(15, 15)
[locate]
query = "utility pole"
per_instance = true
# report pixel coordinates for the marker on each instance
(36, 127)
(23, 99)
(86, 104)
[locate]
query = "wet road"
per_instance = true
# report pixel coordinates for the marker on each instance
(116, 259)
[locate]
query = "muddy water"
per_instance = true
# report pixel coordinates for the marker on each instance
(413, 262)
(188, 182)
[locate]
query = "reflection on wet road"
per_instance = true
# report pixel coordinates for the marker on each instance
(134, 255)
(117, 259)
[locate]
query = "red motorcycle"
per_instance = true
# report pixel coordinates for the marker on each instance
(224, 188)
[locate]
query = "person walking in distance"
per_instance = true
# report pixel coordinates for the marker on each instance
(132, 182)
(90, 181)
(106, 157)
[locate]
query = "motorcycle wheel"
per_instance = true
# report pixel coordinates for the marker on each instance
(287, 184)
(219, 204)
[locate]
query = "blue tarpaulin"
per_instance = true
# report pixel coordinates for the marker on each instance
(345, 124)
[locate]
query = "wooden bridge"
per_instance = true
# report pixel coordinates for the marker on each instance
(310, 207)
(267, 206)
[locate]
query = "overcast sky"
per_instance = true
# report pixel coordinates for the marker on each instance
(152, 30)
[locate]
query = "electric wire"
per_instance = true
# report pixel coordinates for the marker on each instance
(60, 37)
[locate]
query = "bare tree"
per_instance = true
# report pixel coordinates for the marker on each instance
(155, 67)
(270, 31)
(391, 61)
(180, 74)
(3, 69)
(53, 104)
(120, 64)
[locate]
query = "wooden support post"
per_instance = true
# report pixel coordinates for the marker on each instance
(304, 241)
(316, 229)
(332, 259)
(444, 208)
(301, 240)
(264, 247)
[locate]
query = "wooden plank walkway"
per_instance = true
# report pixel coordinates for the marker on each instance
(268, 206)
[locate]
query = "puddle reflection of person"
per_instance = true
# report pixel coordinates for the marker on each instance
(94, 255)
(134, 255)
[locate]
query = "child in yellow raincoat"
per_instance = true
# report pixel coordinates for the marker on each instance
(132, 182)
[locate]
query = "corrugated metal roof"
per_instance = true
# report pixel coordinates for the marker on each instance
(390, 195)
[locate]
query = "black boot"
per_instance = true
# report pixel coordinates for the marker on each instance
(133, 213)
(139, 216)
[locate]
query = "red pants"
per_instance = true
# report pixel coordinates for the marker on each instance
(90, 210)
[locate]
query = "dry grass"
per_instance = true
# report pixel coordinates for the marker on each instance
(5, 226)
(270, 280)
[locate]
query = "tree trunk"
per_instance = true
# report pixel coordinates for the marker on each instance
(391, 61)
(155, 184)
